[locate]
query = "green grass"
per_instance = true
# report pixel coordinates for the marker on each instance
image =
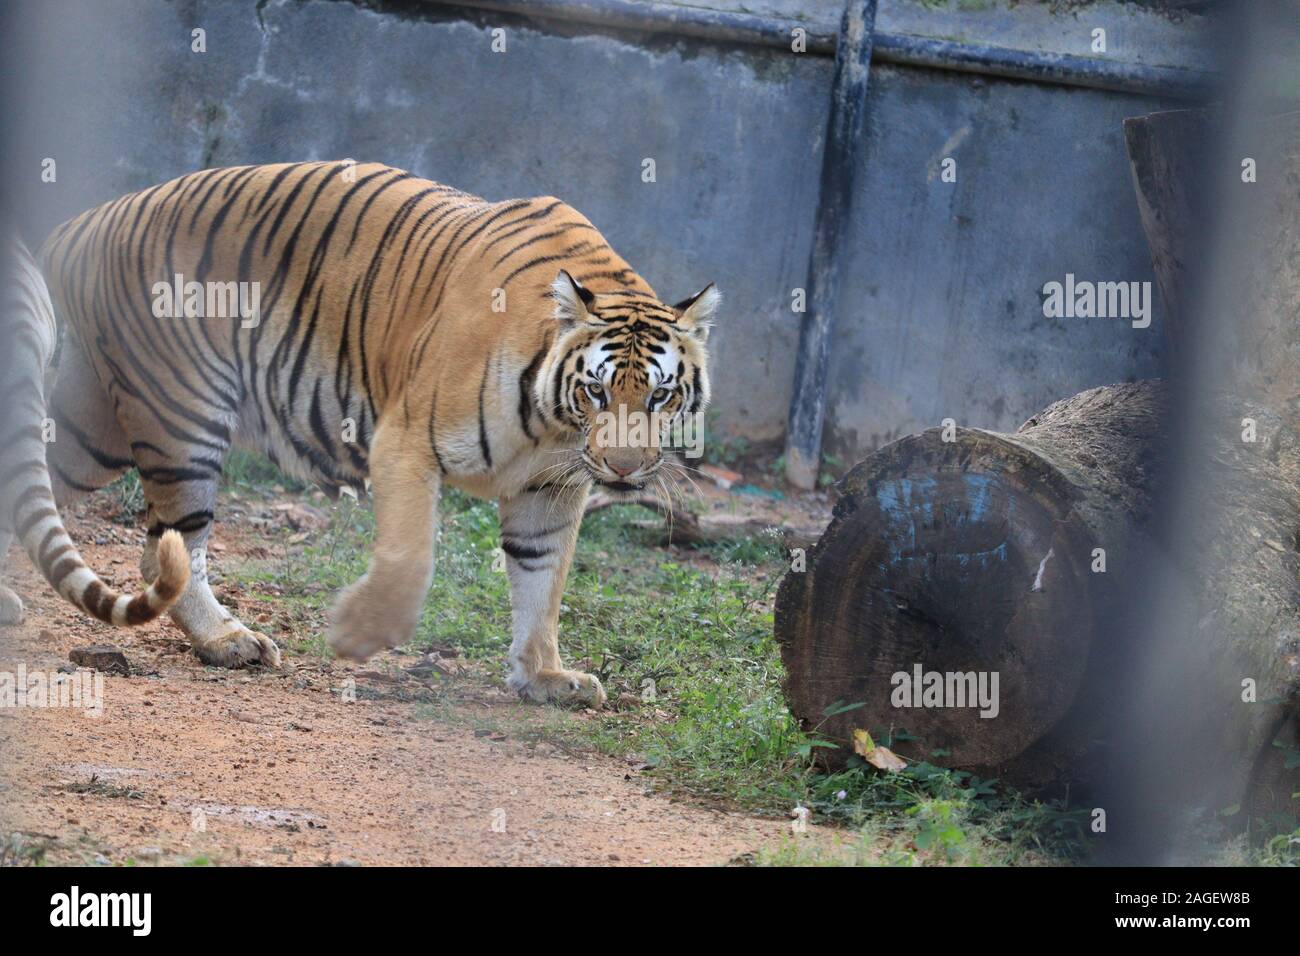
(696, 633)
(1281, 850)
(24, 849)
(697, 630)
(245, 469)
(128, 497)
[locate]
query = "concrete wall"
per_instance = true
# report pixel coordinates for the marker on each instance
(942, 313)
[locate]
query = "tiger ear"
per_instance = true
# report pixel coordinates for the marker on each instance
(572, 298)
(696, 313)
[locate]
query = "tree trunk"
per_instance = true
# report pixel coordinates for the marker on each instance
(1260, 329)
(1233, 330)
(1165, 161)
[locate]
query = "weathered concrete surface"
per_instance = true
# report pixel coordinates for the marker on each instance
(942, 313)
(1175, 38)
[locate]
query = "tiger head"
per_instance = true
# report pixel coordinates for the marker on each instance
(631, 375)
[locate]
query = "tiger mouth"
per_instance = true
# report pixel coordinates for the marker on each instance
(619, 485)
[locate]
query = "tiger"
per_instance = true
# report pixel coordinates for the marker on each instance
(355, 323)
(27, 509)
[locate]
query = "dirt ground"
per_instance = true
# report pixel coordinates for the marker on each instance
(195, 764)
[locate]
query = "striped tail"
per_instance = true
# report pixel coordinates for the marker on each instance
(26, 497)
(48, 544)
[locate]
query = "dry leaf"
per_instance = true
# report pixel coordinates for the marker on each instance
(882, 758)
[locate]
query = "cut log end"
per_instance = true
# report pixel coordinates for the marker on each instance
(960, 558)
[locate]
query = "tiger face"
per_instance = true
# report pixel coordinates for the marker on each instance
(632, 376)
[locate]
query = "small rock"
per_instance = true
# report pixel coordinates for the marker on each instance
(722, 477)
(306, 518)
(431, 664)
(104, 658)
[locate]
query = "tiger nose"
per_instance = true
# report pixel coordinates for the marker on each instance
(620, 470)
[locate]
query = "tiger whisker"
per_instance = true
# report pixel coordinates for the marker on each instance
(681, 472)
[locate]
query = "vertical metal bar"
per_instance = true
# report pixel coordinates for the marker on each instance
(842, 159)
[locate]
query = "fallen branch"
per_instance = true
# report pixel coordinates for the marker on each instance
(682, 525)
(686, 527)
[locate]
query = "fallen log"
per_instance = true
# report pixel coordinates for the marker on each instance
(1240, 719)
(972, 552)
(1015, 554)
(1003, 557)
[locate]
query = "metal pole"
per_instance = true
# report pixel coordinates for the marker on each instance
(842, 159)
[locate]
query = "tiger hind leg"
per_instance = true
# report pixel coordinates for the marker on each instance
(218, 637)
(89, 450)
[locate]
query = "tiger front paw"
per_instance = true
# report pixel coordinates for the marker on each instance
(362, 624)
(559, 686)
